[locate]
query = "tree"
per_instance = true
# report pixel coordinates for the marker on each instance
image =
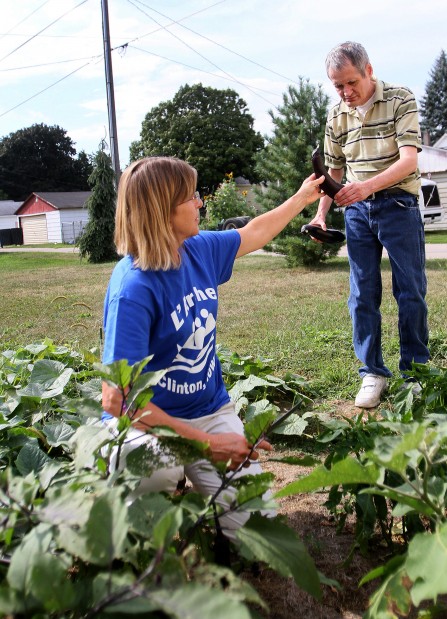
(209, 128)
(434, 102)
(41, 158)
(299, 125)
(96, 243)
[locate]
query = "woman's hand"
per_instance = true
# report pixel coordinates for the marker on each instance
(112, 400)
(234, 449)
(310, 190)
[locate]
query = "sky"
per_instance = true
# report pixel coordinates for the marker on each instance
(52, 55)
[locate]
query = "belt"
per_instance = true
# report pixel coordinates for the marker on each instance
(383, 193)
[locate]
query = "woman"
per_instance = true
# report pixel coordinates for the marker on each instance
(162, 300)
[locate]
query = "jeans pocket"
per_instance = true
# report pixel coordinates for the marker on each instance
(407, 202)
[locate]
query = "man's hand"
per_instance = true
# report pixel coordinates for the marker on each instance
(352, 192)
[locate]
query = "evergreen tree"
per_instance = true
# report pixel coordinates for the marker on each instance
(299, 125)
(434, 102)
(96, 243)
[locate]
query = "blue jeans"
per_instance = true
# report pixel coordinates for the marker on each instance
(393, 222)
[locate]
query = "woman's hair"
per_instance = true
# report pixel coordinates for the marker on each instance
(347, 52)
(149, 191)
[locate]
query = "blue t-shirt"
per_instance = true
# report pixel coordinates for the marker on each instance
(172, 315)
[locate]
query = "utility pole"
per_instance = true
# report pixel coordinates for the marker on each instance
(110, 92)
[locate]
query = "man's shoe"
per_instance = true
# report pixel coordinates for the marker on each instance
(372, 388)
(415, 387)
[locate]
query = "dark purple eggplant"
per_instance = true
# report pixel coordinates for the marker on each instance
(329, 186)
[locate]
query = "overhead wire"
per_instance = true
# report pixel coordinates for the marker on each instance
(200, 54)
(24, 19)
(43, 30)
(188, 66)
(202, 36)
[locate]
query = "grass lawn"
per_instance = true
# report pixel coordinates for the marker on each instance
(296, 317)
(436, 236)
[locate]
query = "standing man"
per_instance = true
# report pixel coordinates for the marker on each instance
(373, 133)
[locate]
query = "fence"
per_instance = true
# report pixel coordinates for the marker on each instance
(71, 231)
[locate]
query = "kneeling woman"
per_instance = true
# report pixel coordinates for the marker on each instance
(162, 300)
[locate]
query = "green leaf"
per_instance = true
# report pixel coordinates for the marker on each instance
(392, 599)
(86, 441)
(241, 387)
(141, 392)
(167, 527)
(106, 529)
(193, 600)
(250, 487)
(49, 582)
(27, 555)
(58, 433)
(258, 426)
(347, 471)
(274, 543)
(146, 510)
(292, 426)
(31, 459)
(120, 373)
(426, 564)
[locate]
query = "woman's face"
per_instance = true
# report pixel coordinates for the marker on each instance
(186, 217)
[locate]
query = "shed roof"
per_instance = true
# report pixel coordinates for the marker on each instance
(8, 207)
(64, 199)
(442, 142)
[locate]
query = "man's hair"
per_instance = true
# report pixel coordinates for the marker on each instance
(348, 52)
(149, 191)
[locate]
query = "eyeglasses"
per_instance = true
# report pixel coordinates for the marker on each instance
(195, 197)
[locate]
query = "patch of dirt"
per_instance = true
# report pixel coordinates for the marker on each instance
(331, 551)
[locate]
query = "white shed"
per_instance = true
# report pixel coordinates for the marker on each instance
(53, 217)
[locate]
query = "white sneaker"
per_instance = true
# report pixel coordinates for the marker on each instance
(415, 387)
(372, 388)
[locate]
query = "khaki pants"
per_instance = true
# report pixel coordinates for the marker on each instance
(201, 474)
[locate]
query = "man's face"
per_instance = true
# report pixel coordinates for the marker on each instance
(353, 87)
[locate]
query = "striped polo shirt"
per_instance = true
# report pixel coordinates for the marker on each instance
(370, 145)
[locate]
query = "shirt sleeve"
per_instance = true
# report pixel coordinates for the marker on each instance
(333, 154)
(408, 132)
(127, 326)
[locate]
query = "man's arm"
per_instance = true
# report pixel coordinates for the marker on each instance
(325, 202)
(353, 192)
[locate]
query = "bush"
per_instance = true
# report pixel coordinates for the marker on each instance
(227, 202)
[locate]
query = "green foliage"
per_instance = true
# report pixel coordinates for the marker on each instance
(434, 102)
(397, 477)
(209, 128)
(226, 202)
(96, 242)
(41, 158)
(74, 543)
(299, 125)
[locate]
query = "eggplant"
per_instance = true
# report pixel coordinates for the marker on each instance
(329, 186)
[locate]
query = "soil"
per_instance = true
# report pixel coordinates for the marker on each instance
(334, 553)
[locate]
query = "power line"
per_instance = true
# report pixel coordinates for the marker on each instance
(25, 18)
(44, 64)
(43, 29)
(216, 43)
(44, 89)
(201, 55)
(188, 66)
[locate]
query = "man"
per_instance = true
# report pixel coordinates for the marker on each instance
(373, 133)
